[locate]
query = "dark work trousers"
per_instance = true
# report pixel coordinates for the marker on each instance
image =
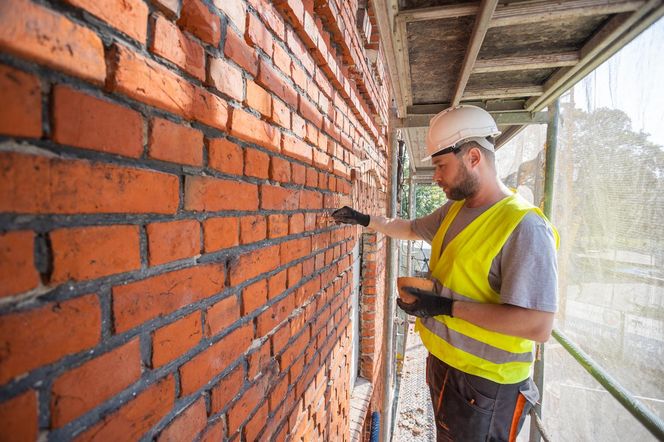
(469, 408)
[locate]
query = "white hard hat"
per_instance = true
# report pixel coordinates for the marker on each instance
(457, 125)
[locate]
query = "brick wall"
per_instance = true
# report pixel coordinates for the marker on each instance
(166, 268)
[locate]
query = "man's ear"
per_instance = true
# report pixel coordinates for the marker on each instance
(474, 156)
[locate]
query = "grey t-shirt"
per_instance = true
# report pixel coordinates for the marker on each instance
(525, 271)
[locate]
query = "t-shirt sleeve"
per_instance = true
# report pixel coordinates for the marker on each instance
(427, 226)
(529, 267)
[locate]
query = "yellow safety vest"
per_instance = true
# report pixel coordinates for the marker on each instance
(464, 268)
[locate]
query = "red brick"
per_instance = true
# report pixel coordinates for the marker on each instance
(279, 198)
(293, 351)
(81, 389)
(300, 52)
(41, 336)
(281, 115)
(252, 229)
(138, 302)
(279, 338)
(225, 156)
(254, 296)
(259, 360)
(55, 42)
(136, 417)
(312, 177)
(296, 148)
(224, 392)
(258, 35)
(170, 8)
(274, 315)
(254, 263)
(299, 77)
(18, 418)
(220, 233)
(175, 143)
(92, 252)
(220, 315)
(170, 241)
(298, 173)
(280, 170)
(296, 224)
(274, 82)
(256, 424)
(214, 433)
(226, 78)
(299, 125)
(21, 110)
(128, 16)
(211, 194)
(169, 42)
(187, 425)
(200, 369)
(277, 284)
(270, 16)
(196, 18)
(282, 59)
(235, 10)
(84, 121)
(295, 249)
(256, 163)
(36, 184)
(241, 53)
(277, 226)
(175, 339)
(249, 128)
(149, 82)
(245, 405)
(309, 111)
(258, 99)
(17, 270)
(311, 200)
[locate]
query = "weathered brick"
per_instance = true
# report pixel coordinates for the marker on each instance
(92, 252)
(149, 82)
(55, 42)
(136, 417)
(309, 111)
(254, 296)
(214, 432)
(294, 350)
(84, 121)
(129, 16)
(260, 359)
(81, 389)
(18, 417)
(235, 10)
(296, 224)
(175, 339)
(274, 315)
(270, 16)
(279, 198)
(280, 170)
(311, 200)
(187, 425)
(211, 194)
(281, 115)
(41, 336)
(170, 8)
(241, 410)
(277, 284)
(258, 99)
(254, 263)
(220, 233)
(226, 390)
(241, 53)
(21, 110)
(138, 302)
(277, 226)
(252, 229)
(295, 249)
(36, 184)
(200, 369)
(172, 44)
(256, 163)
(220, 315)
(170, 241)
(196, 18)
(298, 173)
(274, 82)
(256, 423)
(17, 269)
(258, 35)
(296, 148)
(175, 143)
(249, 128)
(299, 125)
(225, 156)
(282, 60)
(226, 78)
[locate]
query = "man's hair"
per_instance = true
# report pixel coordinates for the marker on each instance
(465, 147)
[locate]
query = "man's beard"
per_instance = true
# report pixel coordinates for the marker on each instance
(467, 185)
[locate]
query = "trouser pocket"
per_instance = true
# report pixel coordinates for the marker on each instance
(465, 411)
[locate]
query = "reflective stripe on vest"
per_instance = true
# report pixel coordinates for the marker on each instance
(463, 267)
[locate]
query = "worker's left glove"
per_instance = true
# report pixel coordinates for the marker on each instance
(427, 304)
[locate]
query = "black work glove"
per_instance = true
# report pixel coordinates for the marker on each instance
(427, 304)
(346, 215)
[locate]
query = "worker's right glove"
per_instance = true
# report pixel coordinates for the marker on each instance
(426, 305)
(346, 215)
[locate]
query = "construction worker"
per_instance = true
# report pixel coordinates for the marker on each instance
(492, 291)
